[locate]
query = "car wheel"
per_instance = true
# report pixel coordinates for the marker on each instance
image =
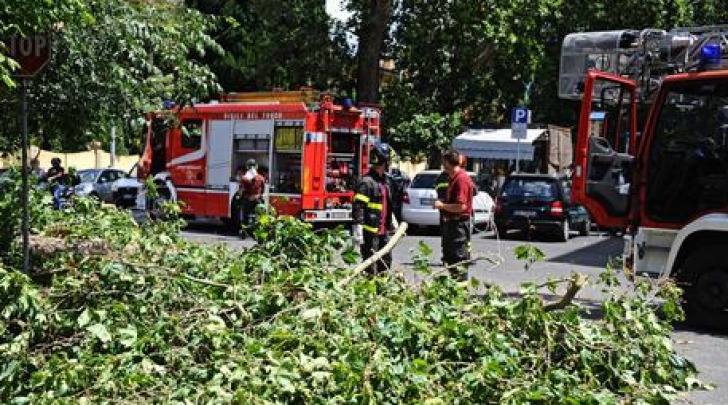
(564, 232)
(585, 229)
(706, 299)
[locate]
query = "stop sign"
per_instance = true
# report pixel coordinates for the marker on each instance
(32, 53)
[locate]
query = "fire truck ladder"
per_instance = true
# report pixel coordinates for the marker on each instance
(645, 56)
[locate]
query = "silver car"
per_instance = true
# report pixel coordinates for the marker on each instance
(97, 183)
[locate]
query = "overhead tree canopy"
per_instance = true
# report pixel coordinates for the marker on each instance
(123, 59)
(278, 44)
(481, 58)
(115, 59)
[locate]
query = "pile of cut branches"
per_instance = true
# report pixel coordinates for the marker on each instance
(155, 318)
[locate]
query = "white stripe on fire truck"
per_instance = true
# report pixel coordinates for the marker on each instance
(315, 137)
(347, 130)
(202, 190)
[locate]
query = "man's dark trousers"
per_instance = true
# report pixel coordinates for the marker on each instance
(456, 241)
(372, 244)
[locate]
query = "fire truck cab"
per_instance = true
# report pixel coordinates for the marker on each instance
(313, 149)
(652, 152)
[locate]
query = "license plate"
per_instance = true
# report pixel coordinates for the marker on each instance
(527, 214)
(428, 202)
(128, 196)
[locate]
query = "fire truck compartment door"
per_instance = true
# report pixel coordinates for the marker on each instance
(605, 143)
(219, 153)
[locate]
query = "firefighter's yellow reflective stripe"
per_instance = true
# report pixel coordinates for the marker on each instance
(442, 185)
(375, 206)
(361, 197)
(370, 229)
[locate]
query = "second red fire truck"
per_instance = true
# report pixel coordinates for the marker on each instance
(313, 148)
(652, 152)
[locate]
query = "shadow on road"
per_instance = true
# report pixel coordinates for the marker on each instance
(595, 255)
(208, 227)
(685, 327)
(414, 230)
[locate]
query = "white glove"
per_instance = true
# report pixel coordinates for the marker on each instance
(250, 174)
(357, 235)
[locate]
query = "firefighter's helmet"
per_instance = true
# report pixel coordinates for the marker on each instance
(381, 154)
(251, 164)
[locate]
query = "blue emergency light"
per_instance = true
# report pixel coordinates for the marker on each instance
(710, 55)
(168, 104)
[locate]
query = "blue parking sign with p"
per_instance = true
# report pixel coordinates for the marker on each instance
(519, 115)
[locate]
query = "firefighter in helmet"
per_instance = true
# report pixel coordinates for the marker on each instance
(252, 185)
(373, 208)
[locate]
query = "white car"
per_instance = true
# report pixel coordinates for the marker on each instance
(417, 208)
(126, 191)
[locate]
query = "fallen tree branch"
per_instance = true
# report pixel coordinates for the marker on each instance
(401, 230)
(554, 282)
(48, 246)
(578, 281)
(173, 272)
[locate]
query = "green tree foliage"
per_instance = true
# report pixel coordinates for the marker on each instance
(481, 58)
(425, 135)
(118, 63)
(118, 313)
(466, 56)
(278, 44)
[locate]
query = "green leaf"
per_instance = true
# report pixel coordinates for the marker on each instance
(128, 336)
(84, 318)
(100, 332)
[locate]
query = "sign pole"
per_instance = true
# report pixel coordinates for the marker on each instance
(113, 146)
(32, 54)
(25, 230)
(518, 156)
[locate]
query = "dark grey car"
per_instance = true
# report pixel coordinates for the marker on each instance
(97, 183)
(540, 203)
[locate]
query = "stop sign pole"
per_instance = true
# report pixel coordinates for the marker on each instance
(32, 54)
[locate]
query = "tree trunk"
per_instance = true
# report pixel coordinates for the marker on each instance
(374, 25)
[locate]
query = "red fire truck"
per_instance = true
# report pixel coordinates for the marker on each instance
(314, 149)
(652, 152)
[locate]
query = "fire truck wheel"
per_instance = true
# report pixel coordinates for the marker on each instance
(706, 299)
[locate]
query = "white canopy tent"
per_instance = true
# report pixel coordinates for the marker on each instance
(495, 144)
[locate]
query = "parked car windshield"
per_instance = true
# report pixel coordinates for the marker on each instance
(530, 188)
(88, 176)
(424, 180)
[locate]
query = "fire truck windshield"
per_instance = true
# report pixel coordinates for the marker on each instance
(688, 157)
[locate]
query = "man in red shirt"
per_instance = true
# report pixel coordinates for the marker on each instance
(252, 186)
(456, 210)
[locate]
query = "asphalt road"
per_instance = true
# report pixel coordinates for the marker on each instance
(588, 255)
